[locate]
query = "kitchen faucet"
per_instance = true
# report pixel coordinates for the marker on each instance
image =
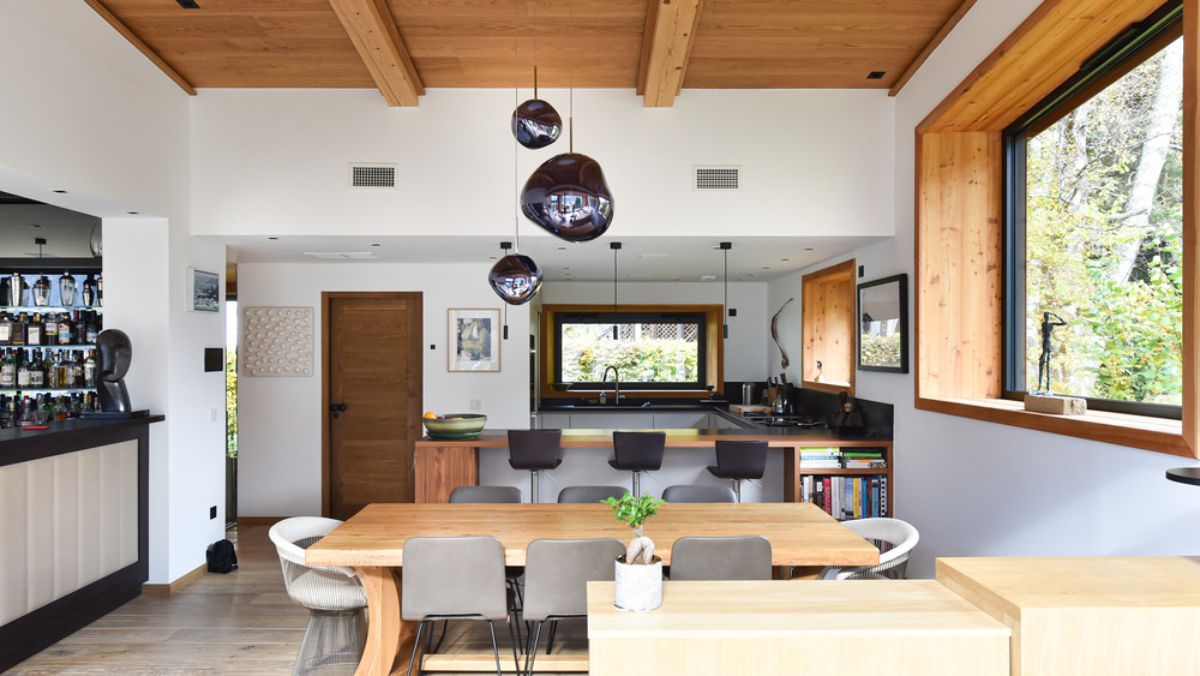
(616, 384)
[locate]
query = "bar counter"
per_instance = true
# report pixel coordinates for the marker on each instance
(440, 466)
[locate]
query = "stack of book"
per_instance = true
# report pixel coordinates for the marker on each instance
(846, 497)
(820, 458)
(863, 459)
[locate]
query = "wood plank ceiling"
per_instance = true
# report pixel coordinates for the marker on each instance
(586, 43)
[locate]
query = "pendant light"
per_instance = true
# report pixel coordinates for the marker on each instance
(616, 247)
(515, 278)
(725, 247)
(535, 123)
(567, 195)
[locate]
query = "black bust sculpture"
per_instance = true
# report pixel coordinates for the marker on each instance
(115, 353)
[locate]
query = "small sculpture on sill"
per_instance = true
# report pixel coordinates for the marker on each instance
(116, 353)
(1042, 399)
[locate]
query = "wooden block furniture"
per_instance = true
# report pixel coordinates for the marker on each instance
(821, 628)
(1100, 616)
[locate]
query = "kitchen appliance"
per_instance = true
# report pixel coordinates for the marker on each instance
(748, 394)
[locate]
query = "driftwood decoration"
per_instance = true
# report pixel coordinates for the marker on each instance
(783, 357)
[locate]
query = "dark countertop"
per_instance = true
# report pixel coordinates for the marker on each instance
(20, 445)
(778, 437)
(647, 407)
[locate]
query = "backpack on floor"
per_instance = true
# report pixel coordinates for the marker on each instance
(222, 558)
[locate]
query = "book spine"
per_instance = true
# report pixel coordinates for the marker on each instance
(883, 496)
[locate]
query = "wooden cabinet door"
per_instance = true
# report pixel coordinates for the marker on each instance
(373, 397)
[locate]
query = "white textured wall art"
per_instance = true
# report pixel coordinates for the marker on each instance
(277, 341)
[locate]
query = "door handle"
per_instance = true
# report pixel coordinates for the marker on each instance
(337, 409)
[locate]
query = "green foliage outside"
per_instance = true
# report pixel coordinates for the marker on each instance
(1104, 239)
(880, 350)
(231, 425)
(588, 350)
(634, 511)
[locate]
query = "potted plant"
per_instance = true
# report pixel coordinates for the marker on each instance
(638, 571)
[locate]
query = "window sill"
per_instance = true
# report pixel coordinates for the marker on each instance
(1153, 434)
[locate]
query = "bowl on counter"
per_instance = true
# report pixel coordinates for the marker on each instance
(456, 426)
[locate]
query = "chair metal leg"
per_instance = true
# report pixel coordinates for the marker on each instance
(412, 661)
(737, 489)
(535, 487)
(550, 640)
(438, 646)
(531, 653)
(511, 621)
(637, 484)
(495, 647)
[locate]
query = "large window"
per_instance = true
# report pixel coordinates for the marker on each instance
(649, 350)
(1094, 203)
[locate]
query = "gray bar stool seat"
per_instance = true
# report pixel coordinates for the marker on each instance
(721, 558)
(534, 451)
(685, 493)
(740, 460)
(638, 452)
(588, 494)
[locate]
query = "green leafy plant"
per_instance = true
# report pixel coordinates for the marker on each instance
(634, 512)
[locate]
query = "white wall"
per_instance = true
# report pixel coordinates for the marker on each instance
(279, 421)
(84, 111)
(747, 331)
(975, 488)
(811, 161)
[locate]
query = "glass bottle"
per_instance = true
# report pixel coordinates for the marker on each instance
(5, 328)
(89, 291)
(89, 369)
(18, 330)
(37, 374)
(66, 330)
(91, 328)
(8, 371)
(50, 328)
(41, 291)
(27, 412)
(66, 289)
(23, 375)
(34, 330)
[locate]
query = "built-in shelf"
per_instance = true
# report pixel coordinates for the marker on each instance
(5, 390)
(83, 346)
(51, 308)
(857, 471)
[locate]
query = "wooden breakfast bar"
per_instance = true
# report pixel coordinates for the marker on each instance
(372, 543)
(440, 466)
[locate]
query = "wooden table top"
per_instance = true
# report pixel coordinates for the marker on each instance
(793, 608)
(817, 437)
(1019, 582)
(801, 534)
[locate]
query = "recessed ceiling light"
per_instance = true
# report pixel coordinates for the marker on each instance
(766, 267)
(491, 258)
(876, 75)
(376, 244)
(132, 213)
(566, 268)
(188, 4)
(808, 248)
(784, 260)
(35, 225)
(339, 255)
(61, 192)
(272, 238)
(561, 248)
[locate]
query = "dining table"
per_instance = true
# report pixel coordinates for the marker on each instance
(372, 544)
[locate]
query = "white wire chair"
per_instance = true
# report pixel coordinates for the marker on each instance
(337, 631)
(893, 562)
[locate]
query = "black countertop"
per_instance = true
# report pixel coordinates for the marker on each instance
(20, 445)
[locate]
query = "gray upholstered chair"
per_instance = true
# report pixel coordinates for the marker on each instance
(485, 495)
(587, 494)
(337, 629)
(686, 493)
(896, 540)
(638, 452)
(556, 577)
(454, 578)
(739, 461)
(721, 558)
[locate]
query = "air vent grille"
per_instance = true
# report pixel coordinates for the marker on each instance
(373, 175)
(717, 178)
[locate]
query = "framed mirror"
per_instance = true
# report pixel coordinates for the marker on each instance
(883, 325)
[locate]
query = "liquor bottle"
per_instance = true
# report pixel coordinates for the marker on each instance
(22, 370)
(5, 328)
(34, 331)
(18, 330)
(100, 290)
(27, 411)
(50, 328)
(53, 372)
(37, 373)
(77, 370)
(8, 370)
(89, 291)
(91, 328)
(89, 369)
(66, 330)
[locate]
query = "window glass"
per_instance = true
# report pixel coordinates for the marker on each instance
(644, 349)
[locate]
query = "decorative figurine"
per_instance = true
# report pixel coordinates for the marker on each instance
(1049, 322)
(116, 352)
(784, 362)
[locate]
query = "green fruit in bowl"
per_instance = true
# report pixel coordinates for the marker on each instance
(455, 426)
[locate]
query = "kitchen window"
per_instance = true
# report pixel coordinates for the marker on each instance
(1094, 229)
(651, 350)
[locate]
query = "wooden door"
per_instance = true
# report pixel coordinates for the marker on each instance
(372, 402)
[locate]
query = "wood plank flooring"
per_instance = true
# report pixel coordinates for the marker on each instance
(240, 623)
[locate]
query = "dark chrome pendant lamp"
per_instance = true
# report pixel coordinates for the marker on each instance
(535, 123)
(616, 247)
(567, 196)
(725, 247)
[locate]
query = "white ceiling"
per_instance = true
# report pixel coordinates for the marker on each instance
(642, 259)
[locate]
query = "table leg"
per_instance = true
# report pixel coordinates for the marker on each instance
(387, 634)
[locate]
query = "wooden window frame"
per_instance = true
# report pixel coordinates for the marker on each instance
(959, 267)
(812, 329)
(714, 350)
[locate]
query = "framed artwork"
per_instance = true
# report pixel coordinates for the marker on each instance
(474, 340)
(204, 291)
(883, 325)
(277, 342)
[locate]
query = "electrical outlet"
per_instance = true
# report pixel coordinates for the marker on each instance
(213, 415)
(212, 512)
(476, 405)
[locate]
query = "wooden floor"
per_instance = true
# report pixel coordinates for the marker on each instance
(240, 623)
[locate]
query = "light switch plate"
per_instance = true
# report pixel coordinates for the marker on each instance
(476, 405)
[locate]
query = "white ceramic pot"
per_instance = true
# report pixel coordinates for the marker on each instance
(639, 586)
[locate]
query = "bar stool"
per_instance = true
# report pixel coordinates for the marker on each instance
(638, 452)
(738, 460)
(534, 450)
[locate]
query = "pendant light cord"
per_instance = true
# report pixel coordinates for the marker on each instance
(571, 76)
(516, 149)
(725, 308)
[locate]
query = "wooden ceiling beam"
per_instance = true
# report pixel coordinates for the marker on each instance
(373, 31)
(931, 45)
(666, 45)
(142, 47)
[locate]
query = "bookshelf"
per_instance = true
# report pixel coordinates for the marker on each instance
(796, 471)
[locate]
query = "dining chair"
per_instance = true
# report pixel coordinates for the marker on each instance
(337, 629)
(898, 539)
(556, 577)
(739, 461)
(454, 578)
(721, 558)
(485, 495)
(534, 451)
(686, 493)
(587, 494)
(638, 452)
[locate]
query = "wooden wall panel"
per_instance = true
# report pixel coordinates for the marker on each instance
(1191, 226)
(828, 298)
